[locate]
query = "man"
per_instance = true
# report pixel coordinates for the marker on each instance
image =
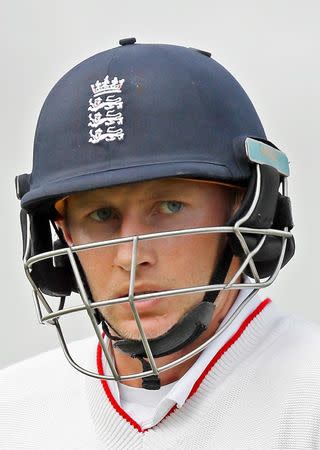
(156, 196)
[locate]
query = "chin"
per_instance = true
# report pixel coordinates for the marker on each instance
(153, 327)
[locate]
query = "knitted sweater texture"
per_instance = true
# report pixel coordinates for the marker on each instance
(260, 391)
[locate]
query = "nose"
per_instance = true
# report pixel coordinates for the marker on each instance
(146, 254)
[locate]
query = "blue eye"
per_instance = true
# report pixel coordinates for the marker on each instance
(102, 215)
(171, 206)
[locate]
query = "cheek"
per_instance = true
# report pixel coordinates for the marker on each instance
(80, 235)
(97, 265)
(190, 260)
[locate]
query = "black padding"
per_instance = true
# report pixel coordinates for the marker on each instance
(267, 258)
(273, 210)
(264, 212)
(152, 382)
(22, 185)
(55, 281)
(181, 334)
(283, 216)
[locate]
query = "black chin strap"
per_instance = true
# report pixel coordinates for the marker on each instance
(187, 330)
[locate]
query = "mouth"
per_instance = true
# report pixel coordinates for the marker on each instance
(144, 304)
(148, 303)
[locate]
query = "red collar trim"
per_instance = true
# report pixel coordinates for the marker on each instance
(214, 360)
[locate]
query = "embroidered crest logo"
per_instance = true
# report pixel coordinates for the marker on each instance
(104, 114)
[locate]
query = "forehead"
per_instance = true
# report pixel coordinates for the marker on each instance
(148, 190)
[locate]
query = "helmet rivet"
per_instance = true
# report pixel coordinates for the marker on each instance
(127, 41)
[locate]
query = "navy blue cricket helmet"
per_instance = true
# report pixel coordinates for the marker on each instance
(139, 112)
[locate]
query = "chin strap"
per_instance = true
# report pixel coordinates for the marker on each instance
(184, 332)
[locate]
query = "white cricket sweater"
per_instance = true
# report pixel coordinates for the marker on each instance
(260, 391)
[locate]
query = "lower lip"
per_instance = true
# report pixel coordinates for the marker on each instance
(143, 305)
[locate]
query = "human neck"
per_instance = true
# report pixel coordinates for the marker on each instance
(127, 365)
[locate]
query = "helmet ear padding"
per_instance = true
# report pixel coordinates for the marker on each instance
(273, 210)
(53, 276)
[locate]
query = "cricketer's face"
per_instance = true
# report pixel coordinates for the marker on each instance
(162, 263)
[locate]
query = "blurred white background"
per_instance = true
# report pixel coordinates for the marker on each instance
(273, 49)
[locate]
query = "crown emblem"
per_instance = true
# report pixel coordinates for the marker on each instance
(107, 87)
(104, 111)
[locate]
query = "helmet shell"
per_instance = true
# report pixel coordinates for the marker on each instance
(180, 112)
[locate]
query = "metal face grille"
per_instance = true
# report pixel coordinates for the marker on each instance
(48, 314)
